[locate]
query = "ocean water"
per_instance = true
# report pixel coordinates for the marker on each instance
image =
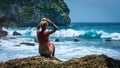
(94, 38)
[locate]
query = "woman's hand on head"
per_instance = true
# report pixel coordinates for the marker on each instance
(48, 20)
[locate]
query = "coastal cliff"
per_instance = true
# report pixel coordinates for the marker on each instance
(29, 12)
(89, 61)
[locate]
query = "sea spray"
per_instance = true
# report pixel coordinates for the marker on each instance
(31, 32)
(94, 39)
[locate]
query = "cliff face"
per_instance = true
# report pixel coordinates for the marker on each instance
(29, 12)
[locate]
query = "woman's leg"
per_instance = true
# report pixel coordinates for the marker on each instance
(52, 49)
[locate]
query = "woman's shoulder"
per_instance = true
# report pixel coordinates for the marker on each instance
(46, 32)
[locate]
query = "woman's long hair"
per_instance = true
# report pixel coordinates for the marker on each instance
(43, 24)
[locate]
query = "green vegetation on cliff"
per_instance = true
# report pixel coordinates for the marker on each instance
(28, 10)
(31, 11)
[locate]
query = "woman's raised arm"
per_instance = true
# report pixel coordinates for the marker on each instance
(55, 27)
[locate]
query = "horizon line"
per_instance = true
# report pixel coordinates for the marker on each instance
(95, 22)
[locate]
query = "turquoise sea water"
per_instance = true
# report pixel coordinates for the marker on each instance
(94, 38)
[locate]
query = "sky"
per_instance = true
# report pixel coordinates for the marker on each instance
(94, 10)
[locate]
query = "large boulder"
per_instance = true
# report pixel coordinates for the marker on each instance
(90, 61)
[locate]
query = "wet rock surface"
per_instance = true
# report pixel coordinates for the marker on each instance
(16, 33)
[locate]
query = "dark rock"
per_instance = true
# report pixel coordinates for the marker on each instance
(24, 13)
(35, 40)
(3, 33)
(90, 61)
(76, 40)
(107, 40)
(16, 33)
(17, 45)
(28, 44)
(57, 40)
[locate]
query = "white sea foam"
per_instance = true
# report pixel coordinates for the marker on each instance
(69, 33)
(115, 36)
(11, 48)
(87, 34)
(10, 32)
(111, 36)
(66, 52)
(33, 33)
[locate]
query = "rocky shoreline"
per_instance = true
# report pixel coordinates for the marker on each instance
(89, 61)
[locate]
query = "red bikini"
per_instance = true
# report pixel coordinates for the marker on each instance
(45, 39)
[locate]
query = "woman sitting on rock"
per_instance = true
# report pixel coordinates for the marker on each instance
(45, 47)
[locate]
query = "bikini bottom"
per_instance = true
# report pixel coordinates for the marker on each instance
(45, 53)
